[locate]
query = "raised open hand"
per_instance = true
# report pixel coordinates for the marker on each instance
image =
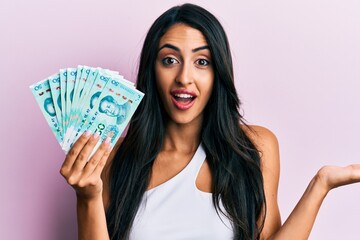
(333, 176)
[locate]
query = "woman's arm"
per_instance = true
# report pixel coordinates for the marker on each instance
(301, 220)
(267, 144)
(85, 177)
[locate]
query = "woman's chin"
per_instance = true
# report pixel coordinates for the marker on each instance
(185, 119)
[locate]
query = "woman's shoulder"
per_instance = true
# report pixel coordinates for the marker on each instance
(259, 135)
(264, 140)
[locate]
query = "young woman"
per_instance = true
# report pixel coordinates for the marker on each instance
(189, 167)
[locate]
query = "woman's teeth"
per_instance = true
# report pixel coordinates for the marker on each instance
(183, 95)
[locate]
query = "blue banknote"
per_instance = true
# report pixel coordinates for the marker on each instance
(63, 82)
(110, 110)
(54, 82)
(85, 98)
(97, 85)
(42, 94)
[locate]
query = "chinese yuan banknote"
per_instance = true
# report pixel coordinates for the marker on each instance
(42, 94)
(85, 98)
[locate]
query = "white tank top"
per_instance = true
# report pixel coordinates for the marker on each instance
(178, 210)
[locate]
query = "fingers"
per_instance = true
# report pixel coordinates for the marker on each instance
(74, 152)
(85, 153)
(99, 158)
(76, 164)
(95, 175)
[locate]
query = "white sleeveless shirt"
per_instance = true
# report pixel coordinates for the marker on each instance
(178, 210)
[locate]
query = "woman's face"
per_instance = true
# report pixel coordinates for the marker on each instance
(184, 73)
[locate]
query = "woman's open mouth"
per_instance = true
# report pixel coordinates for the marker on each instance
(183, 99)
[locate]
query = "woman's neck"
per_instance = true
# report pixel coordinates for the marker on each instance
(182, 137)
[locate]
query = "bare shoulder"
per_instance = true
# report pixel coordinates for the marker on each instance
(267, 144)
(263, 138)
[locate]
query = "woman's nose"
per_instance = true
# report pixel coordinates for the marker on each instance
(185, 75)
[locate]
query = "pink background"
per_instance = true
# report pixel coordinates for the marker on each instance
(297, 69)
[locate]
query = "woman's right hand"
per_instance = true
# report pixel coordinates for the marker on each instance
(82, 173)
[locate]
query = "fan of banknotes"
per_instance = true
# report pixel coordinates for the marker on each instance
(85, 98)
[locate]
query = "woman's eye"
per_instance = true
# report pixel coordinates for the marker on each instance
(169, 61)
(202, 62)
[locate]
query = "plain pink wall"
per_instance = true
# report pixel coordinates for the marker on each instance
(297, 66)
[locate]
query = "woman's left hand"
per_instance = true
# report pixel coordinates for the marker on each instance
(333, 176)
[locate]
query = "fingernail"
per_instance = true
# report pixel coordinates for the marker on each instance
(107, 140)
(96, 135)
(87, 133)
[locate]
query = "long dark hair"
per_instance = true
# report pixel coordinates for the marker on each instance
(232, 157)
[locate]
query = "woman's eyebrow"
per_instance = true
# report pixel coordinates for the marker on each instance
(167, 45)
(201, 48)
